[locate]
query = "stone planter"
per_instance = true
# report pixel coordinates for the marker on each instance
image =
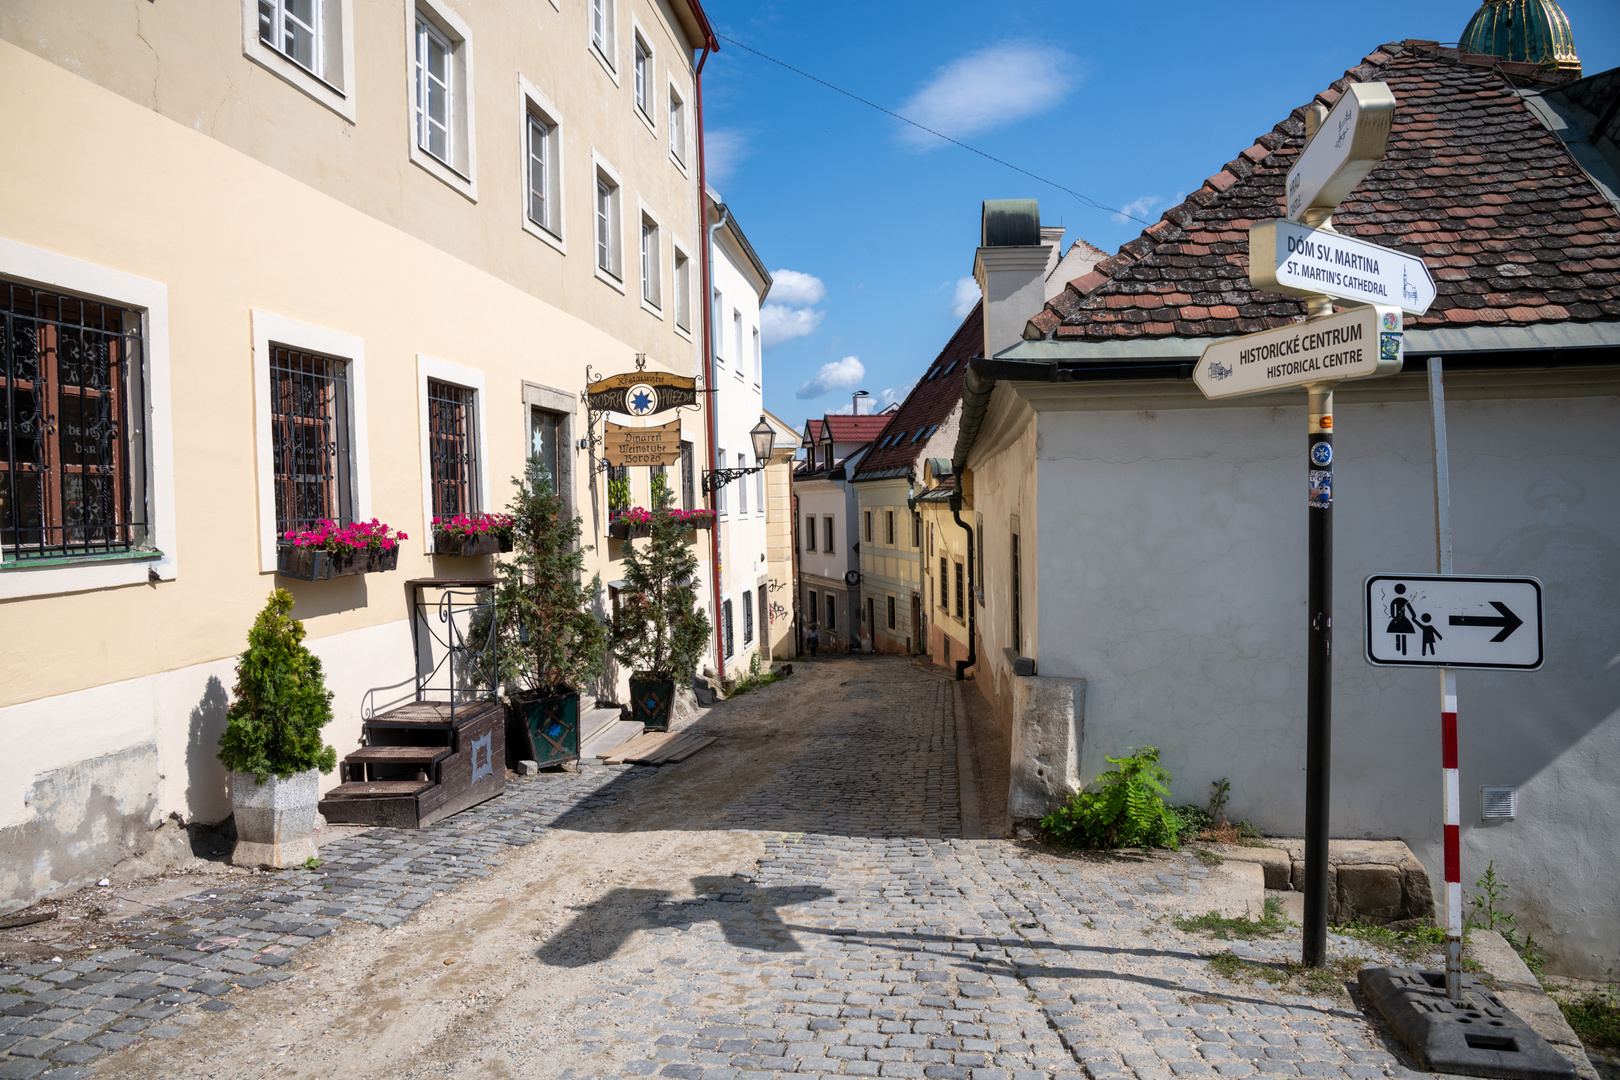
(318, 564)
(470, 546)
(650, 700)
(275, 820)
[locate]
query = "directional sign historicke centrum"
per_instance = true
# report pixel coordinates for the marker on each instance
(1428, 620)
(1287, 257)
(1350, 344)
(1344, 149)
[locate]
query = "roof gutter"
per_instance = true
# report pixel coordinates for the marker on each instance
(983, 374)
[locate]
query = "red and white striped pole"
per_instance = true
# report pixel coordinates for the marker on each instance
(1451, 789)
(1453, 828)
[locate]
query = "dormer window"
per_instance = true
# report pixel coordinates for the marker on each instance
(826, 456)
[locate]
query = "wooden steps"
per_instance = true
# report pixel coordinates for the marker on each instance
(420, 763)
(658, 748)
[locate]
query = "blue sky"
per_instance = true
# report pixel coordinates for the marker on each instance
(1131, 104)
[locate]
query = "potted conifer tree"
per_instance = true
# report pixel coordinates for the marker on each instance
(659, 631)
(552, 642)
(272, 742)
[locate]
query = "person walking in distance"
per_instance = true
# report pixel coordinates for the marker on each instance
(813, 640)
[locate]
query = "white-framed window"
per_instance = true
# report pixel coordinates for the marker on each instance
(810, 533)
(603, 20)
(758, 358)
(719, 333)
(455, 462)
(643, 69)
(720, 490)
(442, 134)
(309, 385)
(742, 485)
(124, 326)
(677, 127)
(759, 493)
(307, 43)
(541, 154)
(739, 358)
(827, 536)
(607, 215)
(682, 286)
(651, 256)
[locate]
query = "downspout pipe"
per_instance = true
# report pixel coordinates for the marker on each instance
(972, 605)
(708, 355)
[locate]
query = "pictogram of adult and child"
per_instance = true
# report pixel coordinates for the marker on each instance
(1401, 613)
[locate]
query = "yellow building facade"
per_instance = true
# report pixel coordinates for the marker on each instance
(235, 230)
(947, 574)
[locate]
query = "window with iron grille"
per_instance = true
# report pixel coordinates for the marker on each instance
(832, 612)
(309, 432)
(891, 613)
(453, 448)
(725, 623)
(72, 400)
(944, 585)
(888, 517)
(748, 616)
(961, 594)
(688, 478)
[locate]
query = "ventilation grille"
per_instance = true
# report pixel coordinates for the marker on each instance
(1498, 803)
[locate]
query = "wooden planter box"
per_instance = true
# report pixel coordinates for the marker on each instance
(650, 701)
(624, 529)
(465, 546)
(549, 726)
(316, 564)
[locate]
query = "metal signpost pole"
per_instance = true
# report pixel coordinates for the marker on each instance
(1451, 783)
(1319, 672)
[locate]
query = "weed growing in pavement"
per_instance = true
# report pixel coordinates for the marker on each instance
(1484, 912)
(1595, 1018)
(310, 863)
(1329, 979)
(1270, 924)
(1218, 797)
(1412, 944)
(1210, 858)
(756, 679)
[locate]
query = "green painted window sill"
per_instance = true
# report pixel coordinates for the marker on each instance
(80, 560)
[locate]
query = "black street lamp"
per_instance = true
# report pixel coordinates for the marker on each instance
(763, 437)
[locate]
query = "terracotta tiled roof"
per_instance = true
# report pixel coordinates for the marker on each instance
(1511, 228)
(846, 428)
(929, 403)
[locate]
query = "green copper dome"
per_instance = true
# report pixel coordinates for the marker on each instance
(1529, 31)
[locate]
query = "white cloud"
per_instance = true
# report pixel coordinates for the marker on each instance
(794, 289)
(779, 323)
(1141, 208)
(888, 397)
(967, 294)
(989, 89)
(723, 150)
(836, 375)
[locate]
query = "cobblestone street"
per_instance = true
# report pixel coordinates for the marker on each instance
(797, 899)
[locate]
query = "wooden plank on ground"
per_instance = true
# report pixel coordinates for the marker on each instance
(636, 746)
(687, 751)
(676, 748)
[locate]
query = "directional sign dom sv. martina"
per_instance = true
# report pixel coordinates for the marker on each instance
(1351, 344)
(1428, 620)
(1344, 149)
(1287, 257)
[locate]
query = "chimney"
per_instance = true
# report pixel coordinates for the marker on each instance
(1010, 267)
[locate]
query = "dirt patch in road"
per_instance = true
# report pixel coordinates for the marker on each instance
(485, 981)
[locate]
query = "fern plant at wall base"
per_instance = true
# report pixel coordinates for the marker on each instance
(1123, 807)
(272, 742)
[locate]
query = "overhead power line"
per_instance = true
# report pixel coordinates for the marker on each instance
(1086, 199)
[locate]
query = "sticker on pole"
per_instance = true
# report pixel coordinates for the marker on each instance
(1428, 620)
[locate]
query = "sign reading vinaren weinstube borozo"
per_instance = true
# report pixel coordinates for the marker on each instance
(642, 446)
(642, 393)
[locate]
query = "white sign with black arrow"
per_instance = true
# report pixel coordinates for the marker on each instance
(1429, 620)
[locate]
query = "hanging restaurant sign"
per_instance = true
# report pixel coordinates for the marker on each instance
(644, 445)
(642, 393)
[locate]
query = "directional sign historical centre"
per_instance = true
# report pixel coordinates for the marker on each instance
(1357, 342)
(1429, 620)
(1287, 257)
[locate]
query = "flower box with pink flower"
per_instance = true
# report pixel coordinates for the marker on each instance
(331, 550)
(467, 536)
(637, 521)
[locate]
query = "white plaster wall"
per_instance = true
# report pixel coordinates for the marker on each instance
(1002, 486)
(1176, 555)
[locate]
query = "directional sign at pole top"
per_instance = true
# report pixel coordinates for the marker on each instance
(1287, 257)
(1352, 344)
(1344, 149)
(1428, 620)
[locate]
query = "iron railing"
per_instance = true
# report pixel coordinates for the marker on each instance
(309, 420)
(72, 402)
(458, 658)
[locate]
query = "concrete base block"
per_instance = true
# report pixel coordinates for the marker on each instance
(1274, 864)
(1047, 729)
(275, 820)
